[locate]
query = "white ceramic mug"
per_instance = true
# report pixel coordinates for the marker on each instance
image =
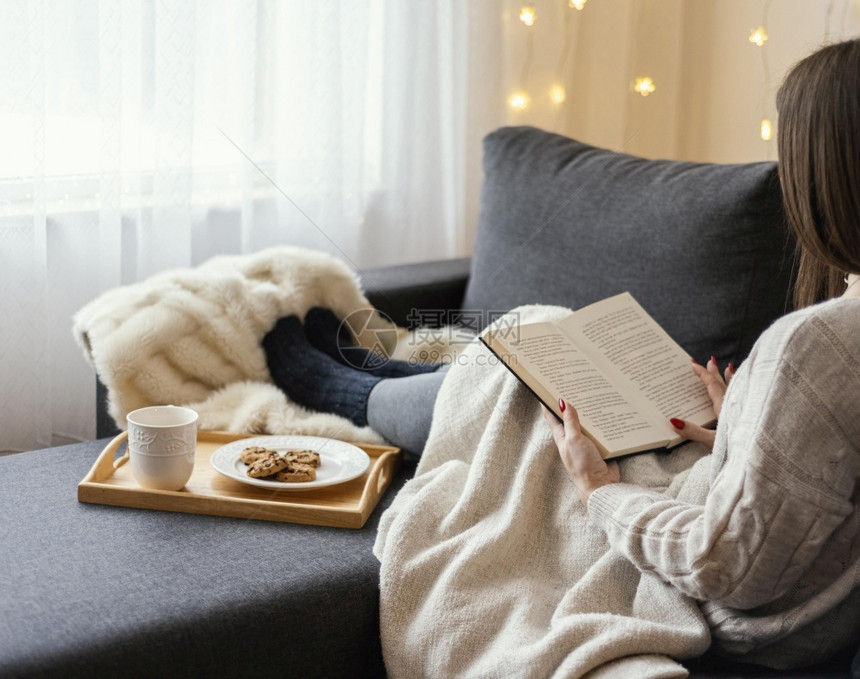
(161, 445)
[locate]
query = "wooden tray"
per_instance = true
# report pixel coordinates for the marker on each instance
(346, 505)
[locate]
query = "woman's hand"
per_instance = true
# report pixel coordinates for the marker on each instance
(717, 385)
(584, 464)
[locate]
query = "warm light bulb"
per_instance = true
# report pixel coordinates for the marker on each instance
(557, 94)
(528, 15)
(758, 36)
(519, 101)
(766, 129)
(577, 4)
(644, 86)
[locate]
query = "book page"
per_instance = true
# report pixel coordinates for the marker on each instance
(604, 411)
(623, 338)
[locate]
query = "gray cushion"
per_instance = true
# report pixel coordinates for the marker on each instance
(702, 247)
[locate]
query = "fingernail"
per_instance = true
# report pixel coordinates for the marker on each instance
(695, 362)
(713, 360)
(678, 424)
(561, 404)
(731, 367)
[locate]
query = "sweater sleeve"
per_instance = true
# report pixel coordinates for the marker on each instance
(786, 483)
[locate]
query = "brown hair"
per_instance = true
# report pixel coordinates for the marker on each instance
(819, 167)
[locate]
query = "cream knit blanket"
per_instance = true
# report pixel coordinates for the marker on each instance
(192, 337)
(490, 567)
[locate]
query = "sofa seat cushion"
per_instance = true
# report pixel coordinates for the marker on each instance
(702, 247)
(100, 591)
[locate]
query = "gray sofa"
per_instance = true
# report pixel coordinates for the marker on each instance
(103, 591)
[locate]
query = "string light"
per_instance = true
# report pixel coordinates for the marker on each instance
(758, 36)
(519, 101)
(528, 15)
(644, 86)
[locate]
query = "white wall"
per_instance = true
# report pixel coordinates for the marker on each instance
(713, 85)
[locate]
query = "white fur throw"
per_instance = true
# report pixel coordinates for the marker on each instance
(490, 567)
(192, 337)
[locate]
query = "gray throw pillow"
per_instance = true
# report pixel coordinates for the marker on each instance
(703, 247)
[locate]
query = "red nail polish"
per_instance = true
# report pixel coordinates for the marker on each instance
(561, 404)
(731, 367)
(695, 362)
(713, 360)
(678, 424)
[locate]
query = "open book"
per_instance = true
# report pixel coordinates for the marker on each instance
(621, 371)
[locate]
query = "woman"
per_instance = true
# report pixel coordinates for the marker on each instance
(774, 552)
(777, 543)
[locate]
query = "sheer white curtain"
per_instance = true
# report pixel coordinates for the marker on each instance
(137, 136)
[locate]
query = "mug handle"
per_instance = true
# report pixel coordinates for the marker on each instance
(106, 463)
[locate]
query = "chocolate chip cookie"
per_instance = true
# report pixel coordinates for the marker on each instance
(267, 466)
(296, 473)
(254, 453)
(308, 457)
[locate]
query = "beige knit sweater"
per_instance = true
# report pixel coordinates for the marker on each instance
(774, 553)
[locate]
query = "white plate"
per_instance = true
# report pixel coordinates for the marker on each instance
(339, 461)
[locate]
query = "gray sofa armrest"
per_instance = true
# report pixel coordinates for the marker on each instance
(423, 286)
(105, 426)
